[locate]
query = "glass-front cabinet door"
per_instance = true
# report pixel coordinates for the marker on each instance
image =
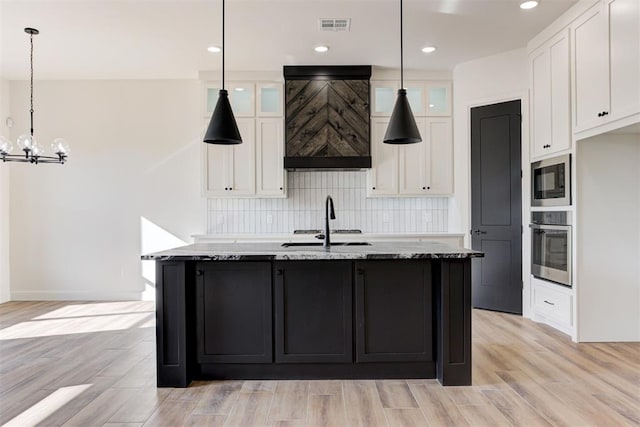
(438, 99)
(416, 97)
(269, 99)
(383, 97)
(242, 98)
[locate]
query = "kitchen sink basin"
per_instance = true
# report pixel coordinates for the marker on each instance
(303, 244)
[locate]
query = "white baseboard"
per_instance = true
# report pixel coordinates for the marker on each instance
(75, 296)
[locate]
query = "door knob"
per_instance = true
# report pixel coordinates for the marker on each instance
(478, 232)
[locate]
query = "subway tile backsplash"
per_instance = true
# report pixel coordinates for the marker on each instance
(304, 208)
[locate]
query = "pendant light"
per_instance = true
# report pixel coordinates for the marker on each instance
(33, 151)
(402, 127)
(223, 128)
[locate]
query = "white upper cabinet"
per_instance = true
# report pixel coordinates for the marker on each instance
(421, 169)
(624, 54)
(254, 168)
(229, 170)
(432, 98)
(606, 57)
(551, 98)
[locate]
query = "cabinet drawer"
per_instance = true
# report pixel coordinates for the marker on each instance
(552, 303)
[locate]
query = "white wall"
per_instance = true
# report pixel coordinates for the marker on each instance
(77, 229)
(4, 198)
(608, 240)
(484, 81)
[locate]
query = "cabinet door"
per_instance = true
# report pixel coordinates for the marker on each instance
(215, 169)
(550, 74)
(242, 175)
(591, 67)
(438, 99)
(233, 312)
(624, 40)
(313, 312)
(417, 97)
(270, 157)
(383, 97)
(438, 140)
(383, 175)
(242, 99)
(413, 165)
(269, 99)
(394, 311)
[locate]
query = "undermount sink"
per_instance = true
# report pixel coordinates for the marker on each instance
(286, 245)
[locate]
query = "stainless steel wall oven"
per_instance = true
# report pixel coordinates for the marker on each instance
(551, 246)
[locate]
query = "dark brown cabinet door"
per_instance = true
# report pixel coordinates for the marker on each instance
(233, 310)
(394, 311)
(313, 311)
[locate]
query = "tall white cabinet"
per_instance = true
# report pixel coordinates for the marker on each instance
(254, 168)
(585, 93)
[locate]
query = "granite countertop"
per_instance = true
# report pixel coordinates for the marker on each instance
(274, 251)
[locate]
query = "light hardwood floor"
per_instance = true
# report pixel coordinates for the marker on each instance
(85, 364)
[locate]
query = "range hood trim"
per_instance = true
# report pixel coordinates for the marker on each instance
(327, 72)
(328, 163)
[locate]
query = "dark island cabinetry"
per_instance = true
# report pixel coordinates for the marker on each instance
(344, 313)
(233, 312)
(394, 311)
(313, 311)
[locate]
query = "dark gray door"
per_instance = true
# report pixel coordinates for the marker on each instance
(496, 219)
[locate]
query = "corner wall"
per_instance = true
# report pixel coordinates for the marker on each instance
(485, 81)
(132, 183)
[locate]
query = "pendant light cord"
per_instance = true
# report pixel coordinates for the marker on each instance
(401, 52)
(31, 97)
(223, 49)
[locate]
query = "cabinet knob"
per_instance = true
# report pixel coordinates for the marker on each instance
(360, 271)
(226, 188)
(230, 188)
(279, 272)
(373, 188)
(199, 272)
(281, 188)
(424, 188)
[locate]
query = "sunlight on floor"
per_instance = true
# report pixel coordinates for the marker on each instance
(47, 406)
(84, 318)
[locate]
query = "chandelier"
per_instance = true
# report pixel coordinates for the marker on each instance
(33, 151)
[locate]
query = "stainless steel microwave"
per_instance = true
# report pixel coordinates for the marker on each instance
(551, 182)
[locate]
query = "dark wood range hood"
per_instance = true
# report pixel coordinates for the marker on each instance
(327, 117)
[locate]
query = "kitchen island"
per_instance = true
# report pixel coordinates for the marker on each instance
(264, 311)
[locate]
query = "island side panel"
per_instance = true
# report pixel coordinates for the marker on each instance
(174, 323)
(453, 302)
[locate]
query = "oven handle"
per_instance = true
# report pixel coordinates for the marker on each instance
(550, 227)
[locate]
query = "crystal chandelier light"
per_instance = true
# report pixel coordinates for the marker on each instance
(33, 151)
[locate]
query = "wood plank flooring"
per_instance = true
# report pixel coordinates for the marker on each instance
(93, 364)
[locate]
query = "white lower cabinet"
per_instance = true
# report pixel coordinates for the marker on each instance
(421, 169)
(553, 304)
(254, 168)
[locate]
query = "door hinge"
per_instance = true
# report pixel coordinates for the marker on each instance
(521, 173)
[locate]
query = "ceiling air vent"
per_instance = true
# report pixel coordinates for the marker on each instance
(333, 24)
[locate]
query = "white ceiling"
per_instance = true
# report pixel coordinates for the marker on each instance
(110, 39)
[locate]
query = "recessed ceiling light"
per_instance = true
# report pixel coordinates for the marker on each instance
(428, 49)
(529, 4)
(214, 49)
(321, 48)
